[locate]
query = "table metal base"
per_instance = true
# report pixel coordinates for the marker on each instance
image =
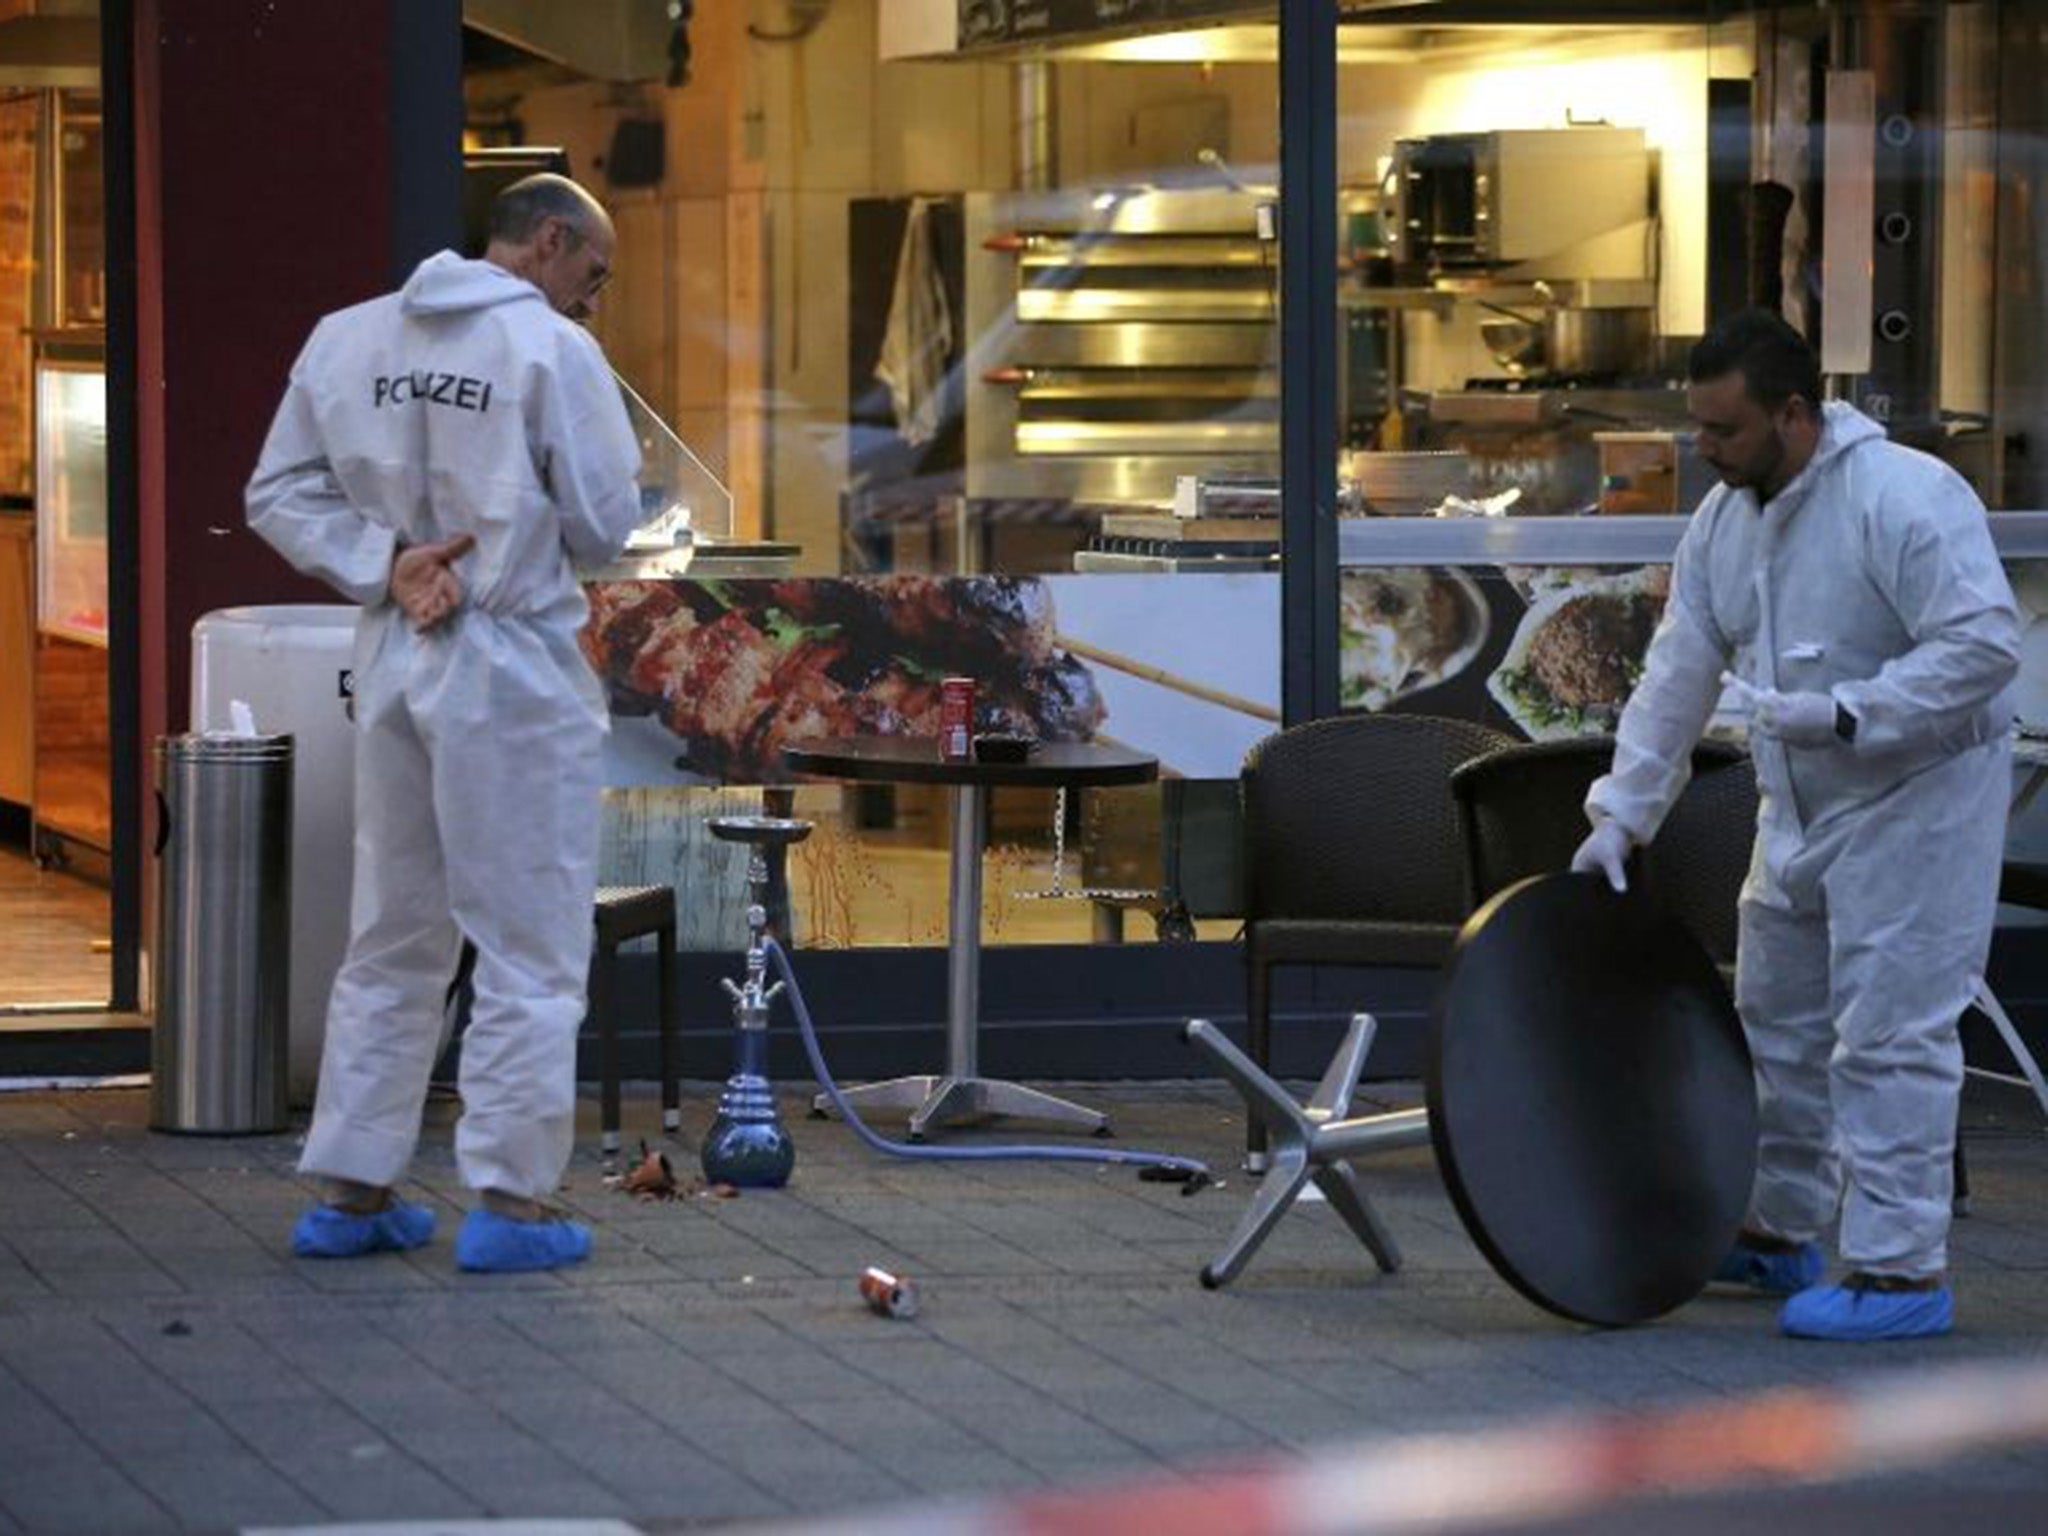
(1314, 1141)
(933, 1099)
(961, 1092)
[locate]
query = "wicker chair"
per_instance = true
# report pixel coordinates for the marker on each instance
(1351, 852)
(1522, 810)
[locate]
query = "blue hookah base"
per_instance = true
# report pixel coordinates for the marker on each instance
(746, 1145)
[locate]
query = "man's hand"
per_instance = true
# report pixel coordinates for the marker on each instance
(423, 580)
(1605, 852)
(1797, 719)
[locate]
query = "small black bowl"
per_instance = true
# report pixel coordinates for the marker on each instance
(998, 748)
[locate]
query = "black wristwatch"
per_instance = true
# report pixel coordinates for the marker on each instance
(1845, 723)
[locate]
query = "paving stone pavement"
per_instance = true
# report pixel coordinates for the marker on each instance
(166, 1365)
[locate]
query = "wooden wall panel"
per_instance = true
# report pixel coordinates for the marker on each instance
(74, 756)
(747, 361)
(17, 658)
(17, 263)
(632, 319)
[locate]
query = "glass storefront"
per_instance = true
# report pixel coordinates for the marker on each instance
(1560, 212)
(985, 323)
(976, 311)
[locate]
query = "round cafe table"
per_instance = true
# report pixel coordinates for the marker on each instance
(960, 1092)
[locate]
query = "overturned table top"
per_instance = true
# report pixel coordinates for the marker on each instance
(1591, 1100)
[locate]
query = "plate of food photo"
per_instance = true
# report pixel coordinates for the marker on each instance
(1578, 653)
(1404, 629)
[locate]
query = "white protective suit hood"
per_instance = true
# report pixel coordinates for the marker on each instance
(1843, 427)
(445, 283)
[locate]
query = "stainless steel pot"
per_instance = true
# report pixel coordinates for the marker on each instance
(1598, 340)
(1563, 340)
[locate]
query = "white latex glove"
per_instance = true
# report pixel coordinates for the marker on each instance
(1605, 852)
(1797, 719)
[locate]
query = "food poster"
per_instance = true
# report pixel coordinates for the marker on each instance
(1542, 652)
(1554, 651)
(709, 679)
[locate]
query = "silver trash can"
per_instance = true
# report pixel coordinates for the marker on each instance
(224, 924)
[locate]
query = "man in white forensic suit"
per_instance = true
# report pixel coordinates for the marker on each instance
(1852, 587)
(445, 456)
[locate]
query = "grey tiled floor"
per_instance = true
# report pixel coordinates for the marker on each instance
(166, 1365)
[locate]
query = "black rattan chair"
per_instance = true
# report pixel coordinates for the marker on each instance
(1699, 859)
(1522, 811)
(1352, 852)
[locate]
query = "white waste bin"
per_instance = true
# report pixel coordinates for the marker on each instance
(292, 665)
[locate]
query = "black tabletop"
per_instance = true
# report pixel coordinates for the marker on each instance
(1591, 1099)
(916, 760)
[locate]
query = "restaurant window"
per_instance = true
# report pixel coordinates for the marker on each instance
(1539, 219)
(955, 302)
(1532, 218)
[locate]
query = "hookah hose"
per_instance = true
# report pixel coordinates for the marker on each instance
(1190, 1173)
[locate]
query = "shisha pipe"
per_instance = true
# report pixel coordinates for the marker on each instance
(747, 1144)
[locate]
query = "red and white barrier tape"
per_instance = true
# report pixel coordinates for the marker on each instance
(1555, 1468)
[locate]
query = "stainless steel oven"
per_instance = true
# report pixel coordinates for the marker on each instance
(1121, 338)
(1515, 195)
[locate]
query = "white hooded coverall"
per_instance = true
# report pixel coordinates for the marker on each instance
(1868, 910)
(461, 404)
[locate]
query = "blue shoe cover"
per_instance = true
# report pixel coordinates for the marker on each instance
(492, 1244)
(1775, 1274)
(329, 1232)
(1856, 1313)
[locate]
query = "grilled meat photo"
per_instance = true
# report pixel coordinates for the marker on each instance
(738, 668)
(1590, 651)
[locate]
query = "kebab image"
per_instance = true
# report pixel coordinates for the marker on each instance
(1579, 653)
(736, 668)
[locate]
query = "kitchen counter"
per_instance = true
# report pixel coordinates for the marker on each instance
(1455, 541)
(705, 561)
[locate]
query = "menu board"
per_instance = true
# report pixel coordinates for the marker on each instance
(993, 23)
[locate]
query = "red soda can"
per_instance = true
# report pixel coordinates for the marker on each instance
(956, 719)
(887, 1294)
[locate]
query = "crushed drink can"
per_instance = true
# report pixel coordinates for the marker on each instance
(886, 1294)
(956, 719)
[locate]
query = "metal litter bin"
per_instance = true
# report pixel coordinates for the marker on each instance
(224, 923)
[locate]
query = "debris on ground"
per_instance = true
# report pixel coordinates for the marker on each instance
(653, 1177)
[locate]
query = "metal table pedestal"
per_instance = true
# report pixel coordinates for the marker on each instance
(960, 1092)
